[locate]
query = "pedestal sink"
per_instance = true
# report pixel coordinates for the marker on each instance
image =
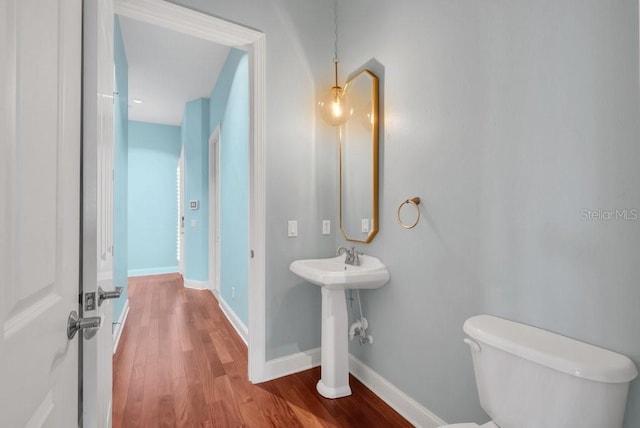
(334, 276)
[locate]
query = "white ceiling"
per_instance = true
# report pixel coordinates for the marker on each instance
(167, 69)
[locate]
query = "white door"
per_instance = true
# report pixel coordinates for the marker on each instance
(40, 47)
(97, 206)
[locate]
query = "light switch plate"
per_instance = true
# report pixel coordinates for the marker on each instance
(292, 229)
(326, 227)
(365, 225)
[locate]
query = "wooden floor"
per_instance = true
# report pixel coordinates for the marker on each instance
(181, 364)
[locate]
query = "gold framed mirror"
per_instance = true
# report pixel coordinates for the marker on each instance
(359, 160)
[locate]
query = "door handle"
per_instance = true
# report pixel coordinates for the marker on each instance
(104, 295)
(90, 325)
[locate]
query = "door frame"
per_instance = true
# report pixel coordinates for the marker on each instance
(187, 21)
(181, 213)
(214, 211)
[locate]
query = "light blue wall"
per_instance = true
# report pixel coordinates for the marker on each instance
(154, 151)
(300, 168)
(120, 135)
(228, 107)
(514, 118)
(234, 194)
(195, 138)
(219, 96)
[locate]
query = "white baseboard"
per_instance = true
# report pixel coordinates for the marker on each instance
(235, 321)
(290, 364)
(152, 271)
(117, 332)
(409, 408)
(109, 413)
(196, 285)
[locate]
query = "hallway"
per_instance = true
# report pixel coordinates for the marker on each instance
(180, 364)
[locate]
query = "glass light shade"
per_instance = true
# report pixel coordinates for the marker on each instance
(334, 106)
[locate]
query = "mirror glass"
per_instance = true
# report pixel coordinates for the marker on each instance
(359, 160)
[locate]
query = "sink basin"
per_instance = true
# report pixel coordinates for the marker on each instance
(334, 274)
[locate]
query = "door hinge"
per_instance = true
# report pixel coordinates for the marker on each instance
(252, 254)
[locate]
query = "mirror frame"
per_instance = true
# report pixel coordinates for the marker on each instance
(374, 152)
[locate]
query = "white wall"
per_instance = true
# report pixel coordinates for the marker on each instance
(507, 119)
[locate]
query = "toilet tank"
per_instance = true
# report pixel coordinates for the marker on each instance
(531, 378)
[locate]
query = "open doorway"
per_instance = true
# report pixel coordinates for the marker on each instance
(205, 27)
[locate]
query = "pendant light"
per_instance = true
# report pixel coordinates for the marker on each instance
(334, 107)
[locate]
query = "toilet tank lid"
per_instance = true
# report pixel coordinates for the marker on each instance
(551, 350)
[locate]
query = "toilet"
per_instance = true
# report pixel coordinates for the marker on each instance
(531, 378)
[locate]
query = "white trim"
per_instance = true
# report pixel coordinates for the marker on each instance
(181, 214)
(214, 210)
(409, 408)
(235, 321)
(120, 325)
(196, 285)
(293, 363)
(187, 21)
(257, 215)
(152, 271)
(110, 413)
(217, 30)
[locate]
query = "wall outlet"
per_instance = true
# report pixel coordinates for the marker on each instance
(326, 227)
(194, 223)
(365, 225)
(292, 229)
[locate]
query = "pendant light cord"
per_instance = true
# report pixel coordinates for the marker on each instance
(335, 28)
(335, 45)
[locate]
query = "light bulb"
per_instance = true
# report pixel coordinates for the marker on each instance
(334, 107)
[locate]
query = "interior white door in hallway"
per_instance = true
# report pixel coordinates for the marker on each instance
(40, 95)
(97, 207)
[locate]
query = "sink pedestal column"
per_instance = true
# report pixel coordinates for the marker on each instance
(334, 353)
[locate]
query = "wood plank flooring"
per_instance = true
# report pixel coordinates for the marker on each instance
(181, 364)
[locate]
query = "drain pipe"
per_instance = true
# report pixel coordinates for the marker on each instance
(359, 327)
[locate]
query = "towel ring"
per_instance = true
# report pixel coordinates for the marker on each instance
(412, 201)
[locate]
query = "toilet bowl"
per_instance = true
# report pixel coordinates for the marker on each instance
(531, 378)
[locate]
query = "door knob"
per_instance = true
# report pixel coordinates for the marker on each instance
(90, 325)
(104, 295)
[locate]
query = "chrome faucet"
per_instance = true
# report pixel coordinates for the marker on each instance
(352, 256)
